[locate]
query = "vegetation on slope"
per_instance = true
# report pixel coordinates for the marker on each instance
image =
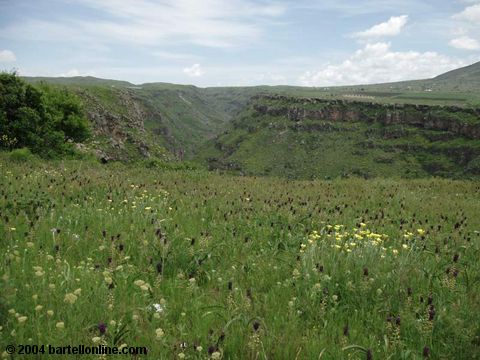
(196, 265)
(300, 138)
(42, 119)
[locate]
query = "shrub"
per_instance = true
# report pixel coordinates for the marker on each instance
(41, 119)
(20, 155)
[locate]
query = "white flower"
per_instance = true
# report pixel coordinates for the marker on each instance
(157, 308)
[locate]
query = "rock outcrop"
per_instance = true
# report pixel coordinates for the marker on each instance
(461, 121)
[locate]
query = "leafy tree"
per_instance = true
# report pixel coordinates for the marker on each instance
(43, 119)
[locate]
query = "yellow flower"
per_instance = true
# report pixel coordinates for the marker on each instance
(50, 312)
(60, 325)
(77, 292)
(216, 355)
(181, 356)
(22, 319)
(70, 298)
(38, 308)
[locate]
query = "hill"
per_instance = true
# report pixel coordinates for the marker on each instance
(175, 121)
(318, 138)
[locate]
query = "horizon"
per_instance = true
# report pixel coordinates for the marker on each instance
(240, 43)
(228, 86)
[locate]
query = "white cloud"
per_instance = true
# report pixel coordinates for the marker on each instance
(210, 23)
(391, 27)
(7, 56)
(194, 71)
(471, 13)
(376, 63)
(76, 72)
(175, 56)
(465, 43)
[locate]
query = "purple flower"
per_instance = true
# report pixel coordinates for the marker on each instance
(102, 327)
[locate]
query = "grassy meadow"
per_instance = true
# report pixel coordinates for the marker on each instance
(197, 265)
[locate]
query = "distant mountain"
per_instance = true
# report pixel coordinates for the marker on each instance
(169, 120)
(78, 80)
(470, 73)
(462, 80)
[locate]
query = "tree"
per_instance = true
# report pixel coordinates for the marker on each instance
(43, 119)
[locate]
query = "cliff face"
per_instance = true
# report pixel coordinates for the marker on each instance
(460, 121)
(117, 119)
(310, 138)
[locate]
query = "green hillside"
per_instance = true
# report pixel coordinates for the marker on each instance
(169, 121)
(316, 138)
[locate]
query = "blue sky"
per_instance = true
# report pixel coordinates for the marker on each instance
(240, 42)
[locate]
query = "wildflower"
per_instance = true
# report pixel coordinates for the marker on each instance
(145, 287)
(216, 355)
(22, 319)
(50, 312)
(139, 282)
(159, 333)
(77, 292)
(70, 298)
(405, 246)
(158, 308)
(181, 355)
(102, 328)
(426, 352)
(38, 308)
(30, 244)
(96, 339)
(60, 325)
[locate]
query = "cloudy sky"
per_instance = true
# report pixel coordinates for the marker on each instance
(240, 42)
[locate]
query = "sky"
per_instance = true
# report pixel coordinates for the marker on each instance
(240, 42)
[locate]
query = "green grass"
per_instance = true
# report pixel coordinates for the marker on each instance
(249, 267)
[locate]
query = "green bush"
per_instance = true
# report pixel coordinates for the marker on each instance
(20, 155)
(43, 119)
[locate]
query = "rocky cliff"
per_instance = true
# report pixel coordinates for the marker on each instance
(461, 121)
(310, 138)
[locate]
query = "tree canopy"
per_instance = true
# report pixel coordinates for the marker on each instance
(43, 119)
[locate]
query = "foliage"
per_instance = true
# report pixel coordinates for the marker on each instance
(41, 118)
(20, 155)
(191, 264)
(264, 140)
